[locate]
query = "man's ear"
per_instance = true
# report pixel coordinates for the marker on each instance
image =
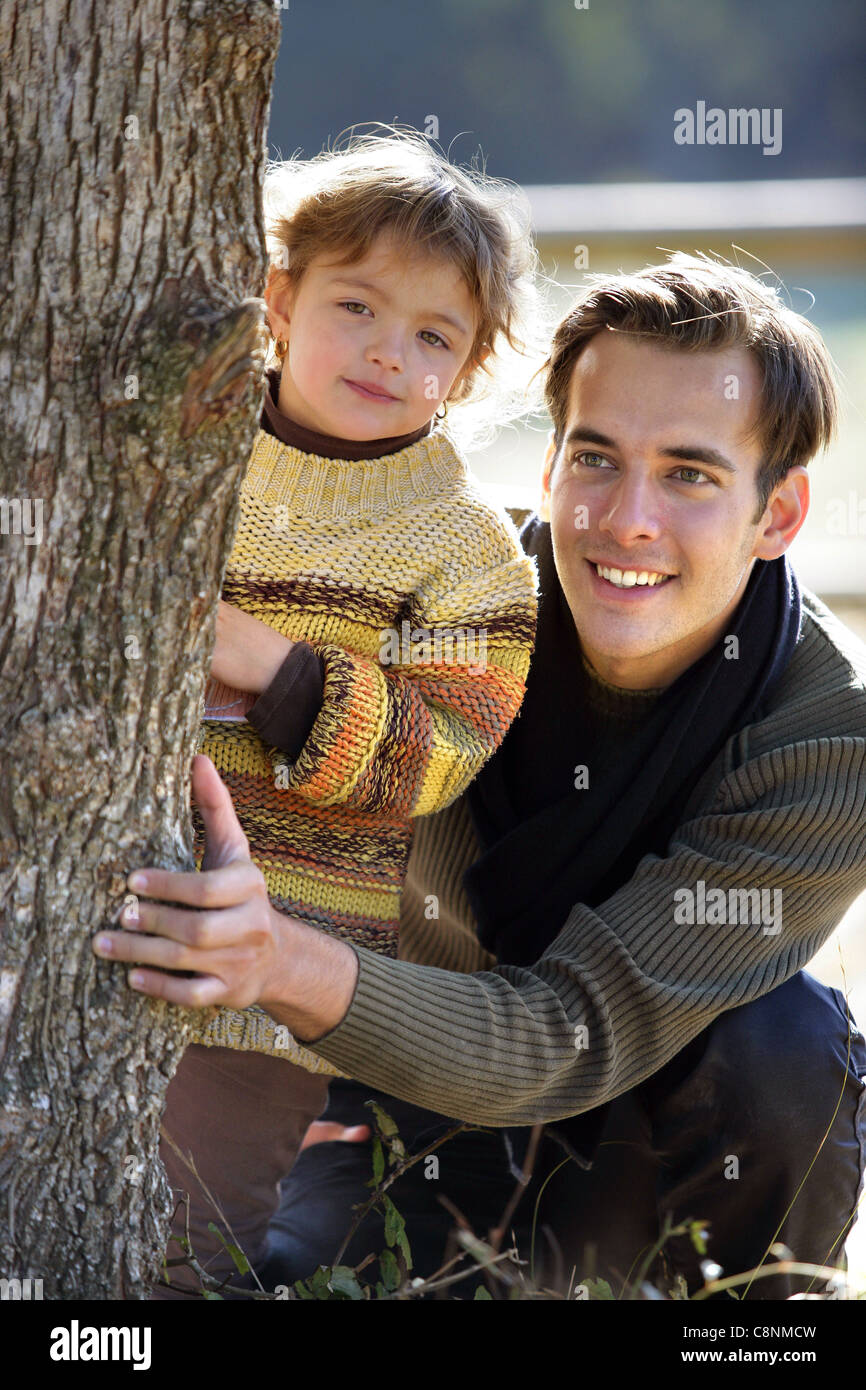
(546, 470)
(784, 515)
(279, 295)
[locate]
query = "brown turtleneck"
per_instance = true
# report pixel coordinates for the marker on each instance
(328, 446)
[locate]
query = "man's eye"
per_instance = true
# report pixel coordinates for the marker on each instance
(430, 334)
(590, 460)
(696, 476)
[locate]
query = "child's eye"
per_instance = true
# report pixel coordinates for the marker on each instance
(352, 305)
(430, 334)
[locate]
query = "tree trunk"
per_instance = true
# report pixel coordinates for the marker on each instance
(132, 154)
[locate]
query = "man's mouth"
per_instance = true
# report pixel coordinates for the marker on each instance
(630, 579)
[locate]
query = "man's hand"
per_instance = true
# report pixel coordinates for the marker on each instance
(330, 1132)
(240, 948)
(248, 653)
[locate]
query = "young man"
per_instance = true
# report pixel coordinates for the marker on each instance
(670, 831)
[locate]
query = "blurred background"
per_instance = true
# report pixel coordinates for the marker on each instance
(576, 102)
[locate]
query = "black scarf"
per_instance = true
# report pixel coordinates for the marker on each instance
(545, 845)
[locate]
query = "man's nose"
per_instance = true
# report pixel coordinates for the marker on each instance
(632, 510)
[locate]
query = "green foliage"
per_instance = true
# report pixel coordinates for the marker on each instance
(387, 1136)
(339, 1283)
(395, 1261)
(508, 1277)
(390, 1270)
(385, 1125)
(395, 1230)
(698, 1234)
(344, 1283)
(598, 1288)
(378, 1163)
(239, 1259)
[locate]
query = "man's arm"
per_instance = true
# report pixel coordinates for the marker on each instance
(619, 992)
(626, 986)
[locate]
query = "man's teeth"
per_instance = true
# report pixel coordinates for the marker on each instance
(626, 579)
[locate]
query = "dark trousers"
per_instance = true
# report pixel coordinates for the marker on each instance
(724, 1134)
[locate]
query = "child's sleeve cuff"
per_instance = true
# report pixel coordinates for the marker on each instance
(285, 713)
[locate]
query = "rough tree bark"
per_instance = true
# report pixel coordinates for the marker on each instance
(132, 149)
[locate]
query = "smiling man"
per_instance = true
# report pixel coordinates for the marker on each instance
(652, 499)
(692, 725)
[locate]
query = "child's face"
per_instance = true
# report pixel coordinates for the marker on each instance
(374, 346)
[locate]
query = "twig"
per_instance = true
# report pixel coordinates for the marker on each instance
(550, 1175)
(763, 1271)
(392, 1177)
(481, 1251)
(189, 1162)
(434, 1283)
(653, 1250)
(213, 1285)
(498, 1232)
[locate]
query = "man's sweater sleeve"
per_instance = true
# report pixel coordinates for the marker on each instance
(625, 986)
(409, 736)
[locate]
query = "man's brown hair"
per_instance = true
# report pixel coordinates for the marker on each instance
(694, 303)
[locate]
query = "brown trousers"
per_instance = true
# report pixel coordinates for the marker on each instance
(242, 1116)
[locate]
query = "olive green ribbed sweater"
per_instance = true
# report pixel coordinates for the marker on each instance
(782, 807)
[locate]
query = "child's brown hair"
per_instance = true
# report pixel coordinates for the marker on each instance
(398, 183)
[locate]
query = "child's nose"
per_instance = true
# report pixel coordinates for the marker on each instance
(387, 350)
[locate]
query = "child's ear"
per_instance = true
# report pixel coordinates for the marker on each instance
(279, 294)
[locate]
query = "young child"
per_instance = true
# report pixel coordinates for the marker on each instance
(378, 615)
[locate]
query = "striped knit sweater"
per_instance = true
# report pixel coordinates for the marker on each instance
(783, 806)
(420, 603)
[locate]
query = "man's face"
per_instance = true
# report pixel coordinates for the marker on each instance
(655, 484)
(374, 346)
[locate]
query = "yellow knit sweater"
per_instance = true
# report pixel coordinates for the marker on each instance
(420, 603)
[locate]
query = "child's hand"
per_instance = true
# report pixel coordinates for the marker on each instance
(248, 653)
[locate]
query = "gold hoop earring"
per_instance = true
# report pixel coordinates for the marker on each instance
(281, 347)
(444, 408)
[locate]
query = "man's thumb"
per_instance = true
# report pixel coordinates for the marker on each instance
(225, 841)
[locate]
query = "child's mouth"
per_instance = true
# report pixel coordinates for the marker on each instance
(370, 393)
